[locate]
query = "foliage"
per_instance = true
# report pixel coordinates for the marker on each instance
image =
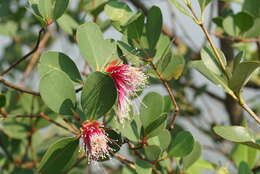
(41, 132)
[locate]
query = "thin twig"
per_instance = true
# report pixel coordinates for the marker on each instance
(203, 28)
(200, 23)
(170, 92)
(14, 64)
(42, 115)
(19, 88)
(45, 117)
(247, 109)
(25, 90)
(125, 161)
(235, 39)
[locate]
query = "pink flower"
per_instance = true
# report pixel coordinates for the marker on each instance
(95, 141)
(128, 80)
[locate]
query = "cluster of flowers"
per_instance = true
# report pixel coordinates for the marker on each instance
(128, 81)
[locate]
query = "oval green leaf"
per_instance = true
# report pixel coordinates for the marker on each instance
(53, 60)
(193, 156)
(57, 92)
(52, 9)
(153, 26)
(99, 94)
(152, 152)
(182, 144)
(59, 156)
(241, 75)
(95, 49)
(237, 134)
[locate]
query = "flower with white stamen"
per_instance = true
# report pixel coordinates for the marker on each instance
(95, 141)
(128, 80)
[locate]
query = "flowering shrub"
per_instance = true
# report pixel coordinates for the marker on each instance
(137, 100)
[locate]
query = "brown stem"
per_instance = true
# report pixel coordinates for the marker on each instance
(248, 110)
(235, 39)
(170, 92)
(19, 88)
(25, 90)
(125, 161)
(42, 115)
(14, 64)
(45, 117)
(203, 28)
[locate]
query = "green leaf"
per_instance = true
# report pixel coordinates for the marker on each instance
(95, 7)
(57, 92)
(244, 21)
(8, 29)
(180, 7)
(134, 26)
(171, 67)
(118, 11)
(149, 113)
(241, 75)
(200, 166)
(97, 51)
(68, 24)
(222, 170)
(130, 129)
(209, 59)
(131, 53)
(254, 30)
(234, 133)
(237, 60)
(153, 26)
(52, 9)
(252, 6)
(59, 156)
(163, 48)
(115, 142)
(244, 153)
(152, 152)
(203, 4)
(52, 60)
(2, 100)
(15, 129)
(162, 140)
(4, 8)
(193, 156)
(99, 94)
(244, 168)
(230, 27)
(182, 145)
(155, 124)
(143, 167)
(217, 79)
